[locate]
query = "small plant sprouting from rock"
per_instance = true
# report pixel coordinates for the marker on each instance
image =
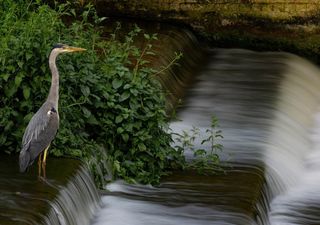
(206, 158)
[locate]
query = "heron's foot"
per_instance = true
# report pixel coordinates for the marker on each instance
(42, 179)
(46, 181)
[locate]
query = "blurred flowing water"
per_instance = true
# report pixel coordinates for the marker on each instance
(268, 109)
(292, 155)
(68, 196)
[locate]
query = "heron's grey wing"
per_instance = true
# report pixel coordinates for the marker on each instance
(37, 123)
(39, 133)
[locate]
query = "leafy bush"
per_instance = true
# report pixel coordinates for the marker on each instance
(111, 109)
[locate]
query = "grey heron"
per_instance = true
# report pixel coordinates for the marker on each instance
(43, 126)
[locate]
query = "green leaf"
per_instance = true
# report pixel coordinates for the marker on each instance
(146, 36)
(135, 92)
(28, 56)
(28, 117)
(86, 112)
(5, 77)
(200, 152)
(150, 53)
(116, 83)
(116, 165)
(119, 119)
(3, 139)
(10, 91)
(8, 125)
(124, 96)
(73, 12)
(142, 146)
(125, 137)
(20, 64)
(26, 92)
(92, 120)
(17, 80)
(120, 130)
(85, 90)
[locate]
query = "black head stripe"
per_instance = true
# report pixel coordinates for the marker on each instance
(58, 45)
(53, 110)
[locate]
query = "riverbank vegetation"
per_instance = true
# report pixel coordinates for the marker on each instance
(112, 110)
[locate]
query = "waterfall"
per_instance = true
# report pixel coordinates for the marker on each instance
(177, 78)
(77, 202)
(68, 196)
(268, 107)
(292, 154)
(241, 89)
(268, 110)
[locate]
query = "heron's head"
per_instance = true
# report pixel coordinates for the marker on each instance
(62, 48)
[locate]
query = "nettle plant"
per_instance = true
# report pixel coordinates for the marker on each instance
(205, 159)
(135, 117)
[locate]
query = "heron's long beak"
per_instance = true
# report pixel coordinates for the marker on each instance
(74, 49)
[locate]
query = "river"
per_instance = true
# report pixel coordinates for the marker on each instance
(267, 104)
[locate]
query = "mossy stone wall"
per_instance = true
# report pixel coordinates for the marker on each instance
(277, 25)
(186, 9)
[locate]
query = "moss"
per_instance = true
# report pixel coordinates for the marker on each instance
(295, 35)
(300, 42)
(258, 25)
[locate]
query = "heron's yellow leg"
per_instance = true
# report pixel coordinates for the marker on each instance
(39, 165)
(44, 161)
(45, 155)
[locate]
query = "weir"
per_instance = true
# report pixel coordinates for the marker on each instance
(267, 105)
(292, 152)
(67, 197)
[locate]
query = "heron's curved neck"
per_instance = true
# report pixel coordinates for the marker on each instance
(54, 89)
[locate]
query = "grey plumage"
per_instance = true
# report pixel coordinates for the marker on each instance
(39, 133)
(43, 126)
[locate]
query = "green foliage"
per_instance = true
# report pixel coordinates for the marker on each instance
(205, 160)
(111, 110)
(111, 107)
(25, 37)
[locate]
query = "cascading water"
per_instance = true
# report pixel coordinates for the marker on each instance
(292, 154)
(266, 104)
(240, 88)
(77, 202)
(67, 197)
